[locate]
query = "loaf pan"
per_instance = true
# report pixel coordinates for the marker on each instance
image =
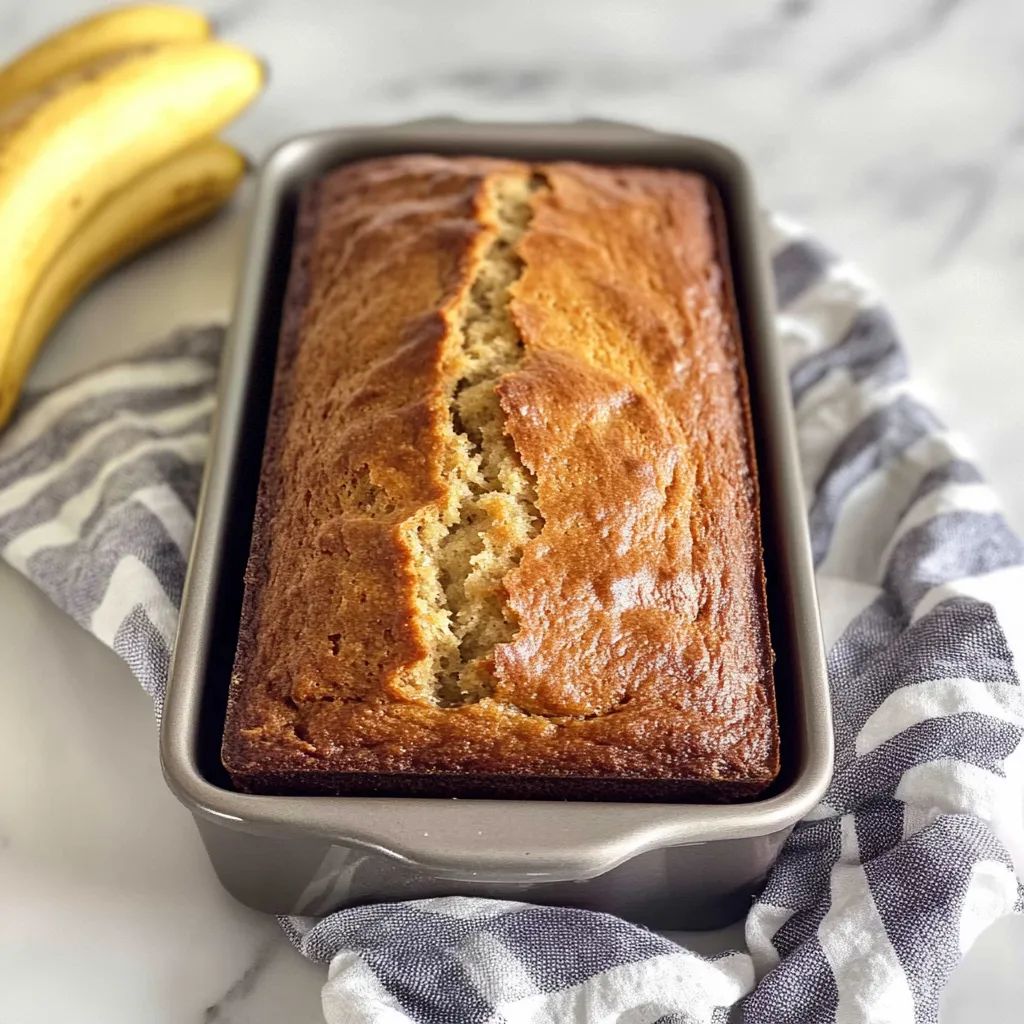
(672, 865)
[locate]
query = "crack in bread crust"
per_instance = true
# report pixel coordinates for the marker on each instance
(465, 552)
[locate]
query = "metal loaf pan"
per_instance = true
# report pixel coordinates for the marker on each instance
(666, 865)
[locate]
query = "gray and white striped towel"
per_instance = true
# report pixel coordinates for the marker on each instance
(875, 897)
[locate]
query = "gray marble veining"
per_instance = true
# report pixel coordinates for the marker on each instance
(242, 987)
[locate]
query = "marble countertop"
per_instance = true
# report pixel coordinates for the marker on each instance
(895, 131)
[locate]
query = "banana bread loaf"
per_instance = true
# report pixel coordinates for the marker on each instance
(506, 541)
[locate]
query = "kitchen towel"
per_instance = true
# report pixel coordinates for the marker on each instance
(875, 896)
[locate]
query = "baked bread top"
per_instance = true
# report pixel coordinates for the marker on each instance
(507, 524)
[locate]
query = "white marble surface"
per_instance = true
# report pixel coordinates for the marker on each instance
(895, 130)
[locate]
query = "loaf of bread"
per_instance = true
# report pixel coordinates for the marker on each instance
(507, 539)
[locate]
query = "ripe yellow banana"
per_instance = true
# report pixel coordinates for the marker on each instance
(122, 28)
(184, 190)
(68, 149)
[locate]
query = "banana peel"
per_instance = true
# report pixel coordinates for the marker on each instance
(70, 148)
(178, 194)
(102, 35)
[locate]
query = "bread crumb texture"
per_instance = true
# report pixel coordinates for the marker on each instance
(507, 519)
(463, 551)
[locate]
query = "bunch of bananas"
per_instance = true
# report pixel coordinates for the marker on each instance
(106, 147)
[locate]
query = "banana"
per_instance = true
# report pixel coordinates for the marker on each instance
(70, 147)
(109, 32)
(184, 190)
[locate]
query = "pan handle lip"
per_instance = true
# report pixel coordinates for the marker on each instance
(491, 840)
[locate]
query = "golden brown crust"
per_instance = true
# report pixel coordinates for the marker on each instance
(642, 648)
